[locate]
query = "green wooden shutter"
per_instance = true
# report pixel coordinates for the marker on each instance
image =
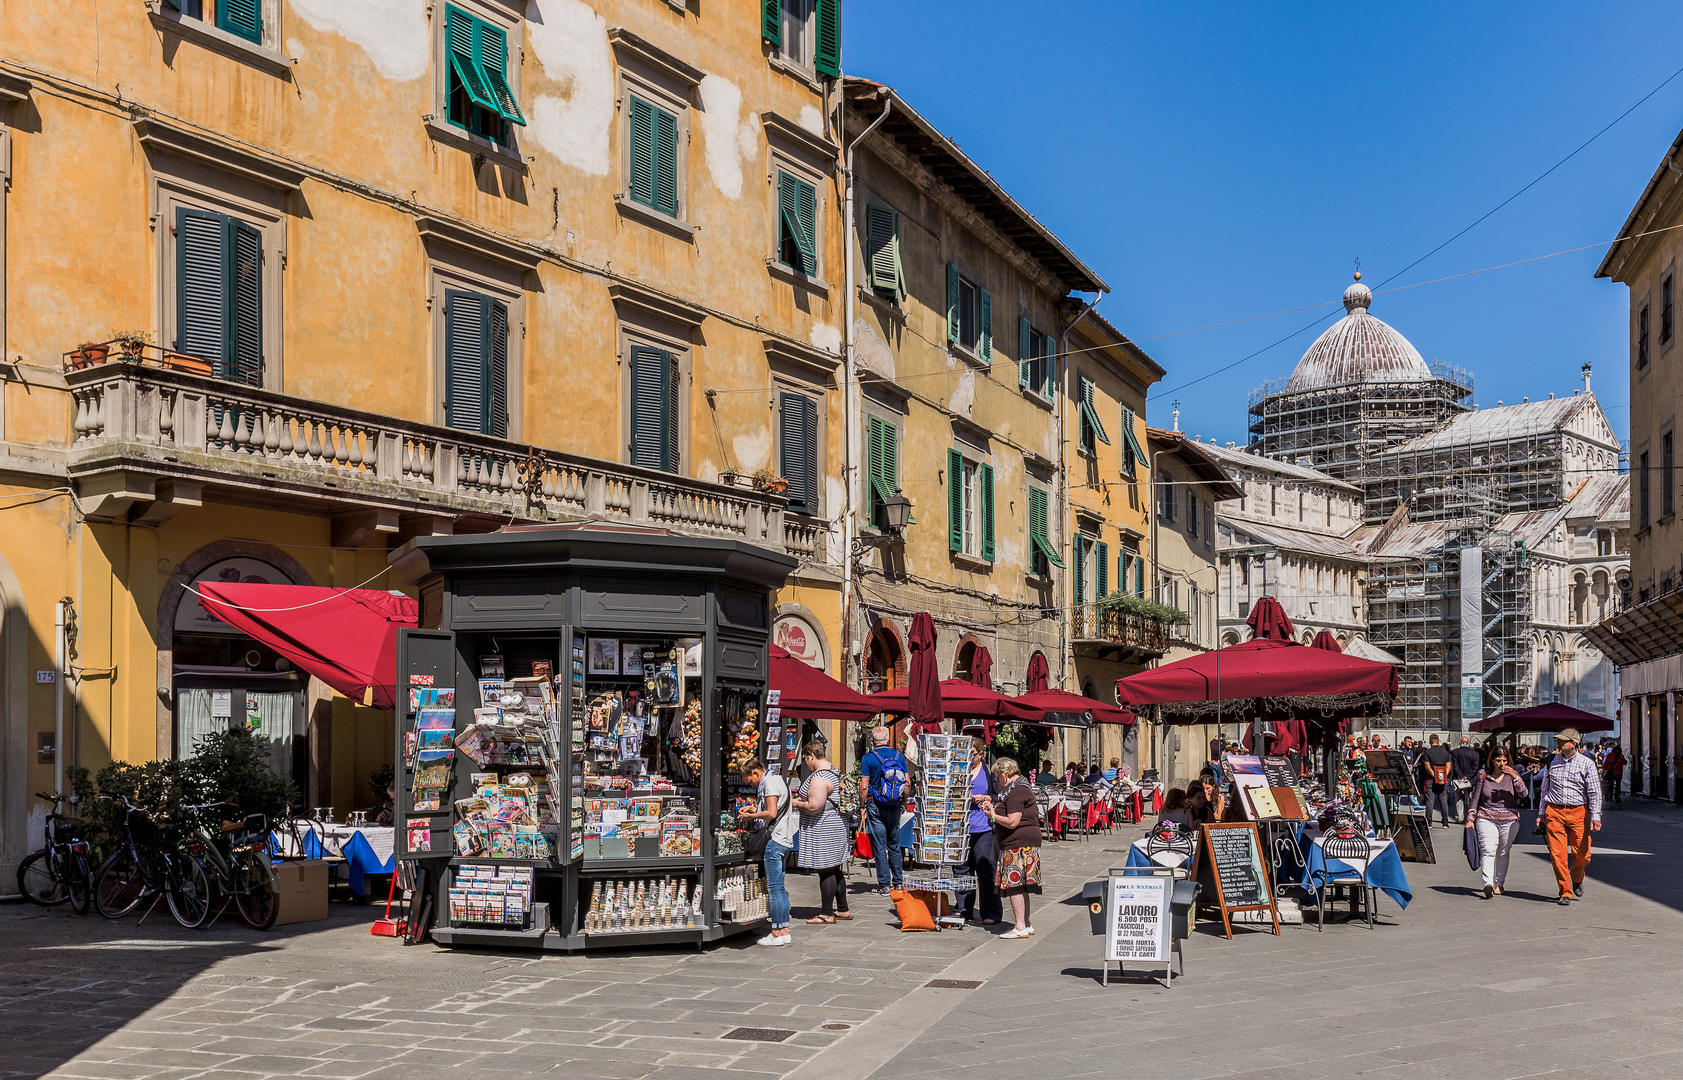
(952, 303)
(984, 486)
(1089, 412)
(493, 70)
(882, 250)
(809, 448)
(1025, 350)
(245, 305)
(466, 354)
(640, 184)
(771, 22)
(984, 339)
(1039, 530)
(1048, 368)
(201, 313)
(1139, 575)
(1101, 564)
(827, 57)
(651, 408)
(460, 34)
(955, 501)
(797, 212)
(1130, 441)
(1078, 560)
(666, 162)
(242, 18)
(498, 371)
(878, 468)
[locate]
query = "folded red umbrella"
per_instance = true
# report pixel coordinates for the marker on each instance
(1038, 674)
(924, 681)
(347, 638)
(1269, 621)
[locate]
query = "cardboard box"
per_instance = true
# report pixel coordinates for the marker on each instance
(301, 887)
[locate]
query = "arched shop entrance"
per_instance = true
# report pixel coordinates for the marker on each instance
(223, 679)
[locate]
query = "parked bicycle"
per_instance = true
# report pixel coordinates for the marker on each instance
(59, 871)
(152, 864)
(235, 856)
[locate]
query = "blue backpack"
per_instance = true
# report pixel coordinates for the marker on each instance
(889, 784)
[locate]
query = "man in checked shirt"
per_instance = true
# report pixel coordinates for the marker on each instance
(1571, 799)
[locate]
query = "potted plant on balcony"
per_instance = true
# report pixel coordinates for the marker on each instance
(89, 353)
(131, 345)
(1145, 609)
(769, 483)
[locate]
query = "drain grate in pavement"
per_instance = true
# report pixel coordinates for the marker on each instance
(953, 984)
(773, 1035)
(837, 1027)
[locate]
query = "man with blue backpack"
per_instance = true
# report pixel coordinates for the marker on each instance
(884, 782)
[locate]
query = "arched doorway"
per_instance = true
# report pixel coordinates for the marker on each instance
(964, 659)
(885, 659)
(218, 677)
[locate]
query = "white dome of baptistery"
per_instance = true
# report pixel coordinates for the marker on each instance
(1358, 348)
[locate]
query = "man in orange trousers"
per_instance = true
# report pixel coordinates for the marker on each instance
(1571, 800)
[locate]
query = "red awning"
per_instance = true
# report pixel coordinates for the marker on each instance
(960, 700)
(1063, 701)
(1552, 716)
(347, 638)
(809, 694)
(1287, 677)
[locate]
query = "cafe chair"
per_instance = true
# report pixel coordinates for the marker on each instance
(1353, 851)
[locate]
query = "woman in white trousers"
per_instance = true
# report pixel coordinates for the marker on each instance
(1493, 809)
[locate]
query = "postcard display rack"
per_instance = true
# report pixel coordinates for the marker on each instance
(571, 741)
(943, 819)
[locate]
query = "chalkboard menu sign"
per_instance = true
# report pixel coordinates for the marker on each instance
(1229, 864)
(1279, 772)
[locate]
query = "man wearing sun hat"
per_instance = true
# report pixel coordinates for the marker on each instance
(1571, 800)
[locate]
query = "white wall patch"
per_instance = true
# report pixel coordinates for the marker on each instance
(812, 120)
(394, 33)
(729, 139)
(571, 42)
(826, 337)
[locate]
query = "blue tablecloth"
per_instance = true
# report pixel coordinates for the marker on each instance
(359, 858)
(1385, 872)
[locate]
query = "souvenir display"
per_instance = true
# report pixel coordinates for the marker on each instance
(626, 907)
(498, 897)
(743, 895)
(943, 821)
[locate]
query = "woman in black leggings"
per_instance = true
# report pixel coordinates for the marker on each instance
(823, 837)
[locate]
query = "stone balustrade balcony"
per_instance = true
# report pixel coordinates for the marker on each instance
(148, 439)
(1098, 630)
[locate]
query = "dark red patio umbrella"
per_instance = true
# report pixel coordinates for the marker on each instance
(959, 700)
(923, 680)
(347, 638)
(809, 694)
(1552, 716)
(1064, 702)
(1285, 679)
(1269, 621)
(1038, 674)
(981, 667)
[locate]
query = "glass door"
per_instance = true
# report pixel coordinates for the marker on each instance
(272, 708)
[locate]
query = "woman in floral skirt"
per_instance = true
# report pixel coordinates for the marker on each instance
(1016, 824)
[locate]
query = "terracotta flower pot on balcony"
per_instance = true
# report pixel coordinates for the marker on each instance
(89, 354)
(182, 362)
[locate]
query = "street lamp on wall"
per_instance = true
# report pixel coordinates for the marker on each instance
(897, 514)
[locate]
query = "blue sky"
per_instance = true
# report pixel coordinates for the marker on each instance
(1214, 165)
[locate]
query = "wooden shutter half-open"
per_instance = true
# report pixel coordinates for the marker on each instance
(827, 57)
(1025, 350)
(952, 303)
(771, 22)
(460, 38)
(955, 501)
(493, 69)
(984, 492)
(245, 305)
(882, 250)
(984, 336)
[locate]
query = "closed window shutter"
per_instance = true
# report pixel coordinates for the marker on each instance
(771, 22)
(466, 345)
(493, 70)
(798, 451)
(827, 57)
(201, 320)
(809, 422)
(955, 501)
(1139, 576)
(952, 303)
(1048, 369)
(499, 370)
(640, 184)
(245, 305)
(242, 18)
(1078, 557)
(651, 408)
(1101, 564)
(882, 250)
(673, 459)
(1025, 350)
(666, 162)
(984, 485)
(984, 340)
(460, 32)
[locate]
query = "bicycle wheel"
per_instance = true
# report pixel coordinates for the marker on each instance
(38, 883)
(187, 889)
(256, 897)
(78, 883)
(118, 887)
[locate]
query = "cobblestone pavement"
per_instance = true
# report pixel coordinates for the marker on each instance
(1455, 986)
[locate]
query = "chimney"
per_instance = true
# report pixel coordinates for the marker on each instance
(1551, 395)
(1586, 370)
(1525, 401)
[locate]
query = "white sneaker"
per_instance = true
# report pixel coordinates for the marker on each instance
(1027, 931)
(775, 939)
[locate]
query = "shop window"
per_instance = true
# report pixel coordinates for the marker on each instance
(654, 409)
(476, 363)
(969, 506)
(797, 450)
(882, 252)
(1042, 555)
(219, 293)
(477, 91)
(883, 463)
(797, 224)
(652, 179)
(969, 315)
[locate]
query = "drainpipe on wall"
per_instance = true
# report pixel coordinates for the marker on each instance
(850, 390)
(1064, 658)
(58, 695)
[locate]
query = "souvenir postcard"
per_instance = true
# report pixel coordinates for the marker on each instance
(631, 659)
(420, 680)
(434, 718)
(491, 667)
(420, 838)
(427, 801)
(436, 738)
(604, 656)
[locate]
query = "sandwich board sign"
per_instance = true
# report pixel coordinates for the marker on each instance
(1137, 922)
(1233, 871)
